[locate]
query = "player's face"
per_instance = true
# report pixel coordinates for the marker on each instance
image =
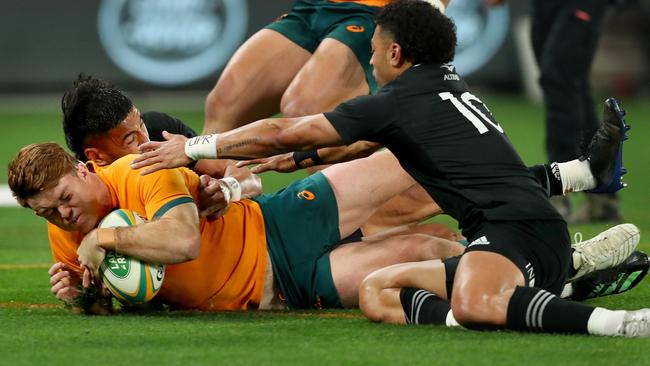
(121, 140)
(74, 204)
(382, 57)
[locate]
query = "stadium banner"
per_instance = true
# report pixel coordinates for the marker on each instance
(167, 44)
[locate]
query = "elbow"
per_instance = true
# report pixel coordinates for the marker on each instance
(190, 247)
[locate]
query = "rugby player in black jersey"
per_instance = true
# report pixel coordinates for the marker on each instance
(519, 254)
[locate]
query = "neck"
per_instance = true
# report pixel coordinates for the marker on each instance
(102, 195)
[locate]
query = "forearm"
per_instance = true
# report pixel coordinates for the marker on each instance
(357, 150)
(251, 184)
(214, 168)
(274, 136)
(164, 241)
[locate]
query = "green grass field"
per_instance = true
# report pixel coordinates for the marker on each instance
(36, 330)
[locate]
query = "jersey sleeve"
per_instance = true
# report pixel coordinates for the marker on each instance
(157, 122)
(364, 117)
(162, 190)
(64, 246)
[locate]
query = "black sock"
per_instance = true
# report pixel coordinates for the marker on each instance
(535, 309)
(423, 307)
(572, 271)
(548, 178)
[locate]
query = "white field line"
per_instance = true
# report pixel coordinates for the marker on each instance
(6, 199)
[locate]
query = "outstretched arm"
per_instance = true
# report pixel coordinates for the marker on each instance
(263, 138)
(296, 160)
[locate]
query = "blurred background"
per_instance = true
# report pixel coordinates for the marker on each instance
(167, 54)
(149, 45)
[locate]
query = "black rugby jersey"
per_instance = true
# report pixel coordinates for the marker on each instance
(158, 122)
(447, 139)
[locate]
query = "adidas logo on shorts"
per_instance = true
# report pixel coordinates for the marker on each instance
(480, 241)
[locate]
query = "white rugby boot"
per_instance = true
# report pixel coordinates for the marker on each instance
(635, 324)
(605, 250)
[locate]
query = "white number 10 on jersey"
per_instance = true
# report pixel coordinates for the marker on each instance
(462, 106)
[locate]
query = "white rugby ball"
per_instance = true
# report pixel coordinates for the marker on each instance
(128, 279)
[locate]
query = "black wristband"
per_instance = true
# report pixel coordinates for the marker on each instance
(304, 159)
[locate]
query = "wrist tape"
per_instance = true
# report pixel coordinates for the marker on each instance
(233, 187)
(201, 147)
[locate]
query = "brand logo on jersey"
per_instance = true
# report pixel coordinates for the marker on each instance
(480, 241)
(449, 67)
(171, 42)
(453, 77)
(306, 195)
(355, 28)
(530, 271)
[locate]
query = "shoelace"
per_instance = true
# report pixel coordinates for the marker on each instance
(577, 237)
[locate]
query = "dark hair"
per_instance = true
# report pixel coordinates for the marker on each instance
(92, 107)
(424, 33)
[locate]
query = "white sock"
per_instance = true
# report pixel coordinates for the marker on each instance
(567, 291)
(575, 176)
(451, 321)
(605, 322)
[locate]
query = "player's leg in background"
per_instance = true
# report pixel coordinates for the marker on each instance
(400, 293)
(586, 31)
(361, 186)
(252, 84)
(332, 75)
(351, 263)
(407, 210)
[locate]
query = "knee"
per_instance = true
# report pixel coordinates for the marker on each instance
(369, 302)
(469, 310)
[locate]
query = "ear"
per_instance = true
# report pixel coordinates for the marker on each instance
(396, 55)
(82, 170)
(96, 155)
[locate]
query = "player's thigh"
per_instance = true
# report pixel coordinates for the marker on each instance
(408, 208)
(361, 186)
(252, 84)
(332, 75)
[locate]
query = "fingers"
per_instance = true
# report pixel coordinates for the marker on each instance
(67, 293)
(59, 276)
(145, 159)
(261, 168)
(55, 268)
(243, 163)
(58, 286)
(204, 180)
(209, 186)
(150, 146)
(86, 279)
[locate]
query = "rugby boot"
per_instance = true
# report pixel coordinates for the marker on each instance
(605, 151)
(611, 281)
(607, 249)
(635, 324)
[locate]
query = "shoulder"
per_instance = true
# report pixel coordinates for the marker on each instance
(157, 122)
